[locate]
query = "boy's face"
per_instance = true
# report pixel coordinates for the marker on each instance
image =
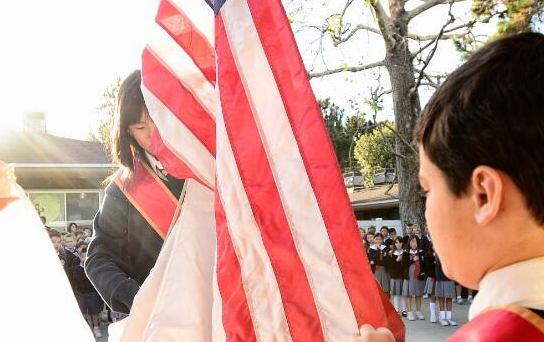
(415, 229)
(378, 240)
(69, 242)
(451, 225)
(87, 232)
(384, 232)
(57, 244)
(393, 235)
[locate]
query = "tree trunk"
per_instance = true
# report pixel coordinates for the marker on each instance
(407, 109)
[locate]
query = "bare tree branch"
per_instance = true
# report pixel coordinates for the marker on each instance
(426, 6)
(384, 22)
(339, 40)
(431, 54)
(401, 138)
(347, 69)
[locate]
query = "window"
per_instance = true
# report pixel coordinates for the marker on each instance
(61, 208)
(50, 205)
(81, 206)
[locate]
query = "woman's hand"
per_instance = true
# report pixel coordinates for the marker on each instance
(369, 334)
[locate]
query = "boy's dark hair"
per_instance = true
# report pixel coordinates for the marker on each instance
(54, 233)
(385, 227)
(490, 111)
(83, 250)
(378, 235)
(392, 230)
(87, 228)
(80, 243)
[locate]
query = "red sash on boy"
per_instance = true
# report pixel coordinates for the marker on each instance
(148, 194)
(502, 324)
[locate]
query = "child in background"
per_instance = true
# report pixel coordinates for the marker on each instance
(56, 240)
(430, 283)
(397, 259)
(444, 291)
(88, 299)
(377, 255)
(413, 287)
(369, 240)
(87, 233)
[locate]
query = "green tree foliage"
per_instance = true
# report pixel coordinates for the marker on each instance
(107, 109)
(374, 150)
(343, 132)
(515, 16)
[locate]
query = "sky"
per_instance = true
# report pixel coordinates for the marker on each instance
(59, 56)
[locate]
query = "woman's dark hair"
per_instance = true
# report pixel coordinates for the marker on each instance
(413, 237)
(72, 224)
(130, 103)
(490, 111)
(398, 238)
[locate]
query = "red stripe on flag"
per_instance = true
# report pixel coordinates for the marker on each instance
(259, 184)
(237, 321)
(171, 163)
(166, 87)
(319, 159)
(174, 21)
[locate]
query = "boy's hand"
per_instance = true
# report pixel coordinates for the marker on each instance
(369, 334)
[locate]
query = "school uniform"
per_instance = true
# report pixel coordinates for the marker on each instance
(509, 305)
(413, 286)
(397, 271)
(430, 279)
(424, 242)
(444, 287)
(377, 257)
(124, 247)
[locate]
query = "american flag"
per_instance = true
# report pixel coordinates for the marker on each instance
(226, 86)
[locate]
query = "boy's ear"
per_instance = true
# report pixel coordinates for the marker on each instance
(487, 190)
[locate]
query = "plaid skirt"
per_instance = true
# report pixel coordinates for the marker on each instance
(383, 278)
(396, 287)
(445, 289)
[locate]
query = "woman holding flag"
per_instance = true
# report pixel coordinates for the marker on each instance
(139, 205)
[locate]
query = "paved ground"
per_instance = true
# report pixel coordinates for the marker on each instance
(423, 331)
(416, 331)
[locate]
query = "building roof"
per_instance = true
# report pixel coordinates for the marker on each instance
(46, 162)
(375, 196)
(40, 148)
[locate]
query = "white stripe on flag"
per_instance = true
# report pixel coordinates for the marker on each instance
(181, 140)
(182, 66)
(200, 14)
(218, 331)
(299, 201)
(262, 292)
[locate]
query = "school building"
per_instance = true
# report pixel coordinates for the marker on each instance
(378, 206)
(62, 177)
